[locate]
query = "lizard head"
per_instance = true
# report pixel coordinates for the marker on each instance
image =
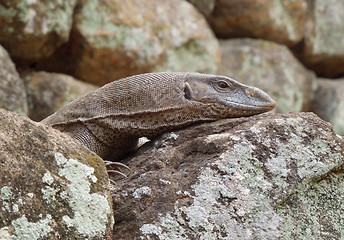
(226, 96)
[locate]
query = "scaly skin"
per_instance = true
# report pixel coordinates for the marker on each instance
(110, 120)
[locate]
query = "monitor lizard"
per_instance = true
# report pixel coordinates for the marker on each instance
(110, 120)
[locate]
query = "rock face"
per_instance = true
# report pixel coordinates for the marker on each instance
(48, 92)
(12, 90)
(279, 21)
(269, 176)
(115, 39)
(329, 103)
(323, 48)
(31, 30)
(271, 67)
(51, 187)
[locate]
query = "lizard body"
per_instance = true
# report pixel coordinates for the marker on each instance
(110, 120)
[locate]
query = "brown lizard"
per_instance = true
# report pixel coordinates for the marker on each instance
(110, 120)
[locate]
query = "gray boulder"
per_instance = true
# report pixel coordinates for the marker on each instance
(32, 30)
(51, 187)
(329, 102)
(115, 39)
(12, 91)
(271, 176)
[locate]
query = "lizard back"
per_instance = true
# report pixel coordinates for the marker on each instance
(110, 120)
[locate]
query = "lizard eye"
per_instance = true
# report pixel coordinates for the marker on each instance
(221, 86)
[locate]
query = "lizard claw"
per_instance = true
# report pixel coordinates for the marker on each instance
(116, 164)
(117, 173)
(112, 181)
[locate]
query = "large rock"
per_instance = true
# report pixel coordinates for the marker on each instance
(51, 187)
(270, 176)
(279, 21)
(271, 67)
(115, 39)
(329, 102)
(12, 90)
(48, 92)
(31, 30)
(323, 48)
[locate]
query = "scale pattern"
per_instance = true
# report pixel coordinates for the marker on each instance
(110, 120)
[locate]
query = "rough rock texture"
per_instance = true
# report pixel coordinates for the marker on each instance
(48, 92)
(271, 176)
(329, 102)
(12, 91)
(281, 21)
(323, 46)
(115, 39)
(51, 187)
(33, 29)
(272, 68)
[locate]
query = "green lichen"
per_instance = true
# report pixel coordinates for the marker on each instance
(58, 17)
(318, 205)
(249, 194)
(49, 194)
(142, 191)
(7, 12)
(47, 178)
(6, 196)
(5, 233)
(24, 229)
(103, 32)
(90, 210)
(6, 193)
(192, 57)
(174, 48)
(96, 19)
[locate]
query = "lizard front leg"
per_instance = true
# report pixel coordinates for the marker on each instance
(106, 152)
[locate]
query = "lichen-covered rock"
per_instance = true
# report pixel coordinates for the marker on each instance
(115, 39)
(31, 30)
(51, 187)
(329, 102)
(48, 92)
(323, 48)
(12, 90)
(280, 21)
(271, 67)
(269, 176)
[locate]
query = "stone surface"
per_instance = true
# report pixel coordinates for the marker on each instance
(115, 39)
(31, 30)
(281, 21)
(12, 90)
(271, 67)
(48, 92)
(323, 46)
(329, 102)
(51, 187)
(271, 176)
(206, 7)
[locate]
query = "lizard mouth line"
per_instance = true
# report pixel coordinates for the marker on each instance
(254, 106)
